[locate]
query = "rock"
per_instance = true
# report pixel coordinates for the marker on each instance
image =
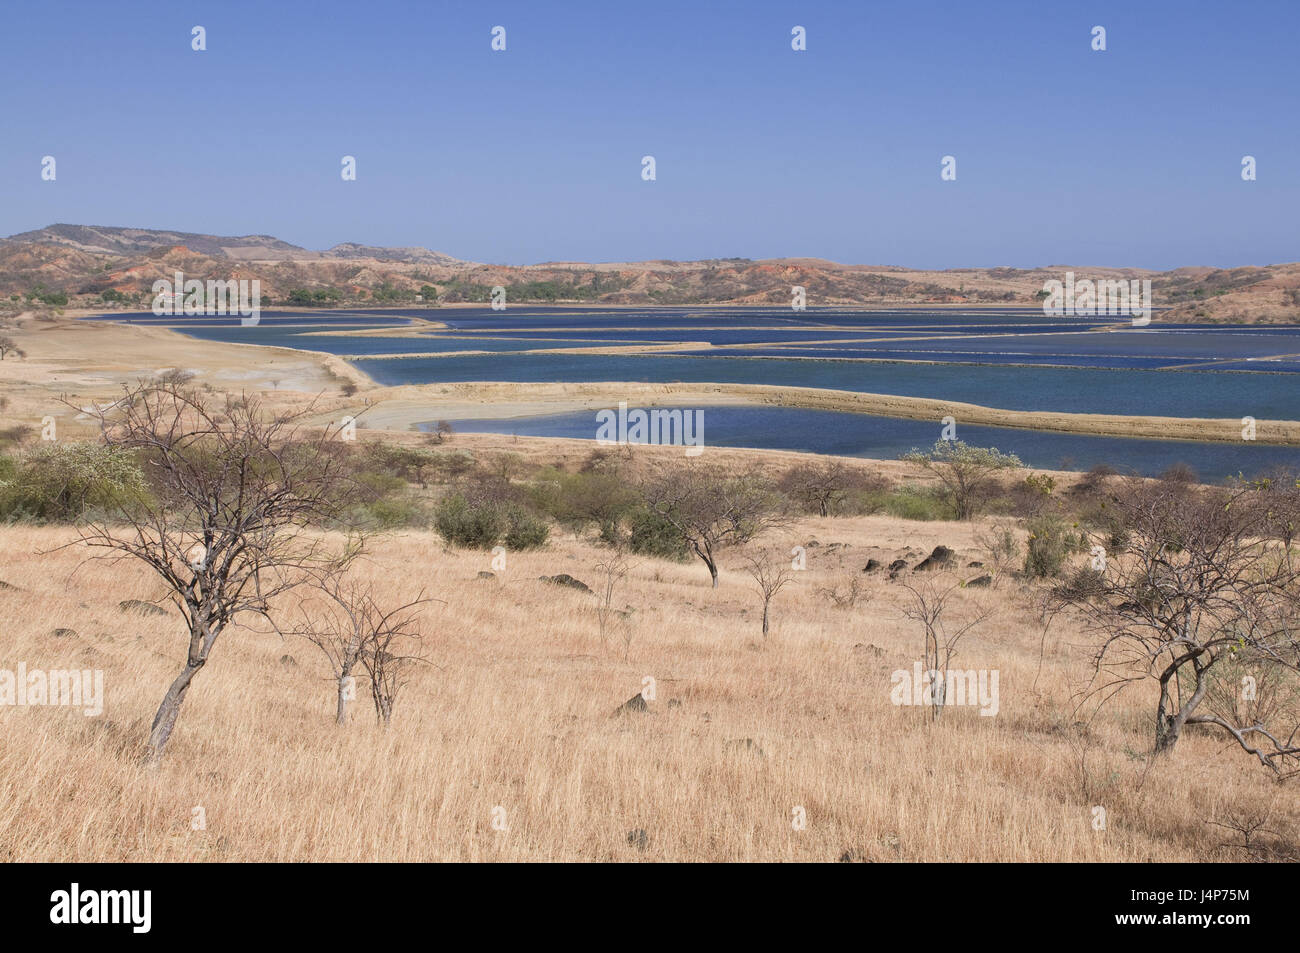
(744, 744)
(141, 607)
(897, 565)
(638, 838)
(564, 579)
(872, 565)
(288, 661)
(980, 582)
(975, 564)
(64, 633)
(635, 703)
(940, 558)
(484, 574)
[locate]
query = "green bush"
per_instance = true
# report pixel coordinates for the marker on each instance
(526, 530)
(652, 535)
(1051, 540)
(484, 524)
(910, 502)
(65, 482)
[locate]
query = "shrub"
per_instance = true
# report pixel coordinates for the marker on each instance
(485, 523)
(910, 502)
(66, 481)
(1050, 542)
(526, 531)
(652, 535)
(477, 527)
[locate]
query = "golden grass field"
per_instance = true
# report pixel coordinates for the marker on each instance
(519, 714)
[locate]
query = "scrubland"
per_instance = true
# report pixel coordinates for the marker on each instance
(516, 722)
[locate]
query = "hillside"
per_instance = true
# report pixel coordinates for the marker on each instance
(91, 266)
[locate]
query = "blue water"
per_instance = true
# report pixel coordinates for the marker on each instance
(1074, 390)
(856, 435)
(1015, 358)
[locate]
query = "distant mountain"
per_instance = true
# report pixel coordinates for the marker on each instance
(92, 266)
(110, 240)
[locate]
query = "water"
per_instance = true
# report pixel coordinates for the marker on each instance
(1014, 358)
(856, 435)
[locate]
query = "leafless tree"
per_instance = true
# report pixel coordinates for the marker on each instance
(345, 623)
(711, 509)
(845, 593)
(235, 493)
(1203, 588)
(770, 575)
(930, 600)
(393, 648)
(613, 569)
(9, 346)
(822, 487)
(1002, 548)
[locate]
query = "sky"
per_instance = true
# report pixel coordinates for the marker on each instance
(1130, 156)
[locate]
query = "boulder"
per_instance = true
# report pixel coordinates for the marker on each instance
(941, 558)
(635, 703)
(564, 579)
(141, 607)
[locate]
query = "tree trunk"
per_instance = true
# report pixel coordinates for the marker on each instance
(165, 719)
(765, 606)
(342, 713)
(1169, 725)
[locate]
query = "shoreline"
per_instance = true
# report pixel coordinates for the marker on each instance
(404, 406)
(95, 358)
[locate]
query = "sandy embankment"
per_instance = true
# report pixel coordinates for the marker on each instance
(396, 408)
(91, 361)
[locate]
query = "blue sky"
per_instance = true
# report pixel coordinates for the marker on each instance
(1130, 156)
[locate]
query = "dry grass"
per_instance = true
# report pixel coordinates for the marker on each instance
(520, 715)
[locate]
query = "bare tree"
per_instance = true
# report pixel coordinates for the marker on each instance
(392, 649)
(847, 592)
(770, 575)
(234, 492)
(344, 624)
(613, 570)
(1201, 590)
(1002, 548)
(711, 510)
(930, 600)
(822, 487)
(9, 346)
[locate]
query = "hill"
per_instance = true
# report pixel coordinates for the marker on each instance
(93, 266)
